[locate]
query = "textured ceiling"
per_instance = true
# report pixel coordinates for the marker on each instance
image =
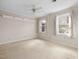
(22, 7)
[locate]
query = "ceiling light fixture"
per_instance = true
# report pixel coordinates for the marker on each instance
(34, 8)
(53, 0)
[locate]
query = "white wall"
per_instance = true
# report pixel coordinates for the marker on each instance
(50, 34)
(12, 30)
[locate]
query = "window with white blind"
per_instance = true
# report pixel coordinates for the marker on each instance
(63, 25)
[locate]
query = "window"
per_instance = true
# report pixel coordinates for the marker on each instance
(63, 25)
(42, 25)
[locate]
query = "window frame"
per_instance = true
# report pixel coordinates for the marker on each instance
(40, 26)
(70, 24)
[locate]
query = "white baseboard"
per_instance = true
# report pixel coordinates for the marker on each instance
(17, 40)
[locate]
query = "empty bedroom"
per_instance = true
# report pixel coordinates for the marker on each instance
(38, 29)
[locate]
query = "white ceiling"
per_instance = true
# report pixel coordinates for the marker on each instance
(21, 7)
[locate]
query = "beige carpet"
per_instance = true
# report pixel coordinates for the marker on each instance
(36, 49)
